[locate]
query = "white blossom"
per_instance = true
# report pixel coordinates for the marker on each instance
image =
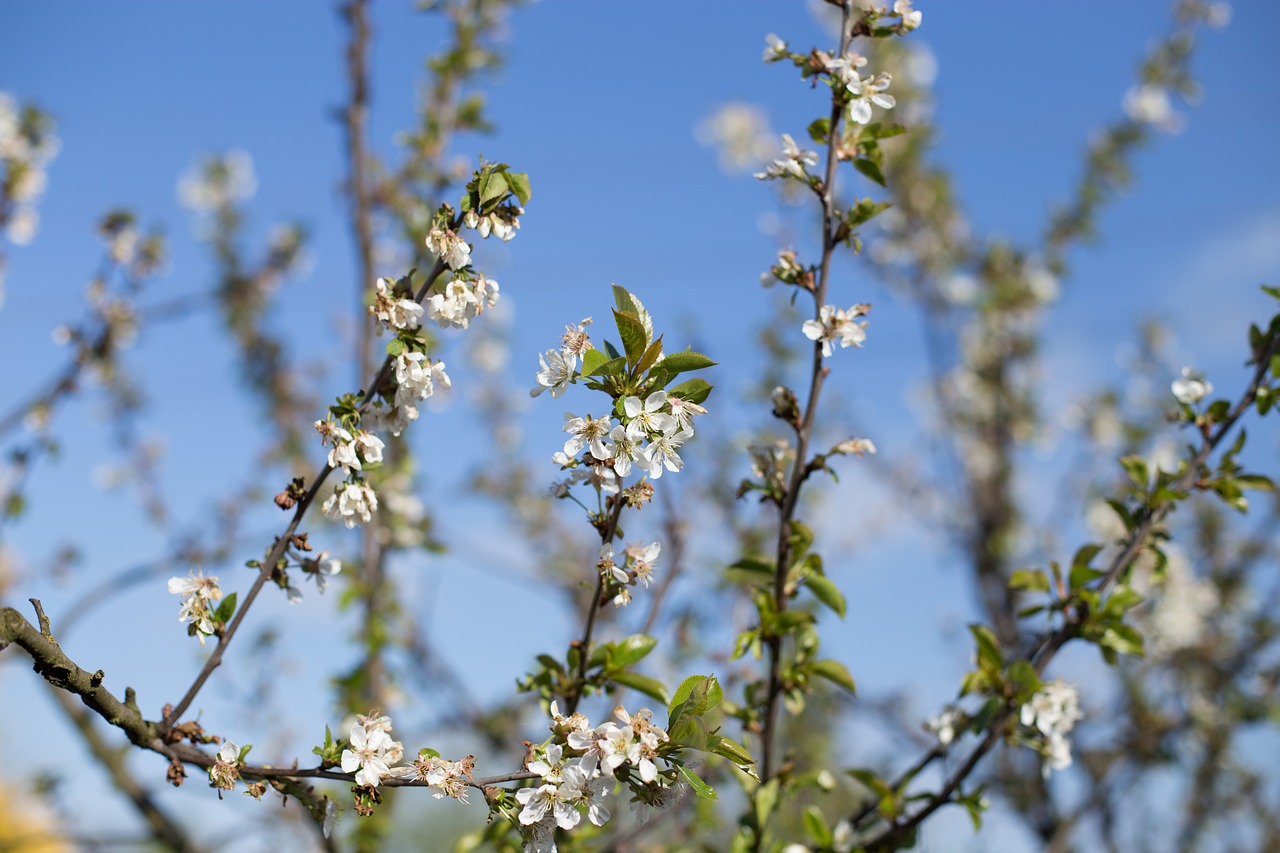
(449, 247)
(371, 755)
(586, 432)
(394, 312)
(834, 324)
(1053, 711)
(198, 606)
(775, 48)
(1192, 387)
(910, 17)
(646, 418)
(1150, 104)
(558, 371)
(351, 501)
(791, 164)
(661, 451)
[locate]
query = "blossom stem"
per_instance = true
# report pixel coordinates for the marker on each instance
(804, 429)
(597, 601)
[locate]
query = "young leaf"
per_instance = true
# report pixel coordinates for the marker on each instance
(702, 789)
(627, 301)
(682, 362)
(634, 339)
(651, 687)
(694, 391)
(826, 592)
(835, 672)
(519, 182)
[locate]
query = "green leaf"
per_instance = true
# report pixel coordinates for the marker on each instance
(820, 130)
(634, 340)
(627, 301)
(395, 346)
(226, 609)
(1031, 580)
(826, 592)
(815, 824)
(682, 362)
(696, 695)
(650, 357)
(651, 687)
(519, 182)
(801, 540)
(493, 186)
(1256, 482)
(731, 749)
(1081, 572)
(592, 360)
(693, 390)
(870, 170)
(702, 789)
(835, 672)
(612, 367)
(1136, 468)
(989, 654)
(630, 650)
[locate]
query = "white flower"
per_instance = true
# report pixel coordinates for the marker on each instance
(550, 765)
(683, 411)
(370, 446)
(537, 802)
(576, 340)
(1053, 711)
(198, 607)
(791, 164)
(836, 324)
(944, 725)
(322, 568)
(343, 455)
(370, 756)
(647, 417)
(393, 312)
(226, 768)
(350, 501)
(866, 91)
(910, 17)
(1150, 105)
(586, 432)
(1192, 387)
(558, 371)
(456, 306)
(417, 377)
(640, 559)
(661, 452)
(449, 247)
(775, 48)
(621, 450)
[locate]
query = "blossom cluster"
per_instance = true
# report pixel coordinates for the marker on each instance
(578, 768)
(373, 757)
(27, 144)
(648, 437)
(466, 294)
(637, 567)
(199, 606)
(835, 324)
(372, 753)
(1052, 712)
(860, 93)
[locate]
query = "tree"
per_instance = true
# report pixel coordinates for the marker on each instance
(718, 606)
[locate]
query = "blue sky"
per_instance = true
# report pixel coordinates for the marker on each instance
(598, 104)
